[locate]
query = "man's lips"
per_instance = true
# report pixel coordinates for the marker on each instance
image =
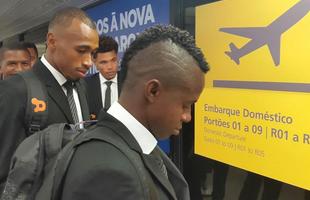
(111, 73)
(82, 71)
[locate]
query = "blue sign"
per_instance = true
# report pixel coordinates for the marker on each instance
(124, 20)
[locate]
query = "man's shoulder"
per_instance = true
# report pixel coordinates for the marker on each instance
(41, 71)
(99, 151)
(92, 82)
(108, 133)
(13, 85)
(13, 95)
(101, 161)
(106, 137)
(92, 78)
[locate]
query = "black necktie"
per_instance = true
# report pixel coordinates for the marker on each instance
(69, 85)
(107, 97)
(160, 161)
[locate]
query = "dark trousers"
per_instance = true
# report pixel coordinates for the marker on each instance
(195, 170)
(252, 185)
(220, 171)
(307, 195)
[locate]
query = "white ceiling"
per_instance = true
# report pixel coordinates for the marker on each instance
(17, 16)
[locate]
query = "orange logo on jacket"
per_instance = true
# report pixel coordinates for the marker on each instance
(40, 106)
(93, 116)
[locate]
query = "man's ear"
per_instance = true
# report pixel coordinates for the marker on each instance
(152, 90)
(51, 40)
(1, 73)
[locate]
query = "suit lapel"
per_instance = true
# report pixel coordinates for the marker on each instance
(53, 88)
(176, 178)
(151, 164)
(119, 85)
(82, 98)
(97, 93)
(55, 92)
(94, 94)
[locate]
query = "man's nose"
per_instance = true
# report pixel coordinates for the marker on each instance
(87, 61)
(19, 67)
(110, 64)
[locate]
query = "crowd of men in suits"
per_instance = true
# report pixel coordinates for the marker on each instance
(162, 75)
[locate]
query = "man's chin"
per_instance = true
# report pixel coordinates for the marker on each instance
(111, 77)
(74, 78)
(176, 132)
(167, 136)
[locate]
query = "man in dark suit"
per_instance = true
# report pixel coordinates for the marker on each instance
(103, 87)
(71, 39)
(14, 58)
(163, 75)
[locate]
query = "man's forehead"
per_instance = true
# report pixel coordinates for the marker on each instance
(109, 54)
(79, 35)
(16, 54)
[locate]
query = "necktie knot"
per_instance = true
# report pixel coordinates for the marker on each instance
(108, 83)
(69, 85)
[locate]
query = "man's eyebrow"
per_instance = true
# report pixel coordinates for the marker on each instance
(11, 61)
(83, 47)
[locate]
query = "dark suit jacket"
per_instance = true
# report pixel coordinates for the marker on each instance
(13, 100)
(99, 170)
(94, 95)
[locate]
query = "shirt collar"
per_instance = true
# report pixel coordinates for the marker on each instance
(145, 139)
(103, 80)
(57, 75)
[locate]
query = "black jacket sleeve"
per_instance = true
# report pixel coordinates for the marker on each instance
(13, 98)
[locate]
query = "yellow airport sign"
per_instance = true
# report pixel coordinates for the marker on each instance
(254, 112)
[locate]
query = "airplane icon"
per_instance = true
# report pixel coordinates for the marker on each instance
(269, 35)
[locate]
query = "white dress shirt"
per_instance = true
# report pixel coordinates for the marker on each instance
(145, 139)
(103, 87)
(62, 80)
